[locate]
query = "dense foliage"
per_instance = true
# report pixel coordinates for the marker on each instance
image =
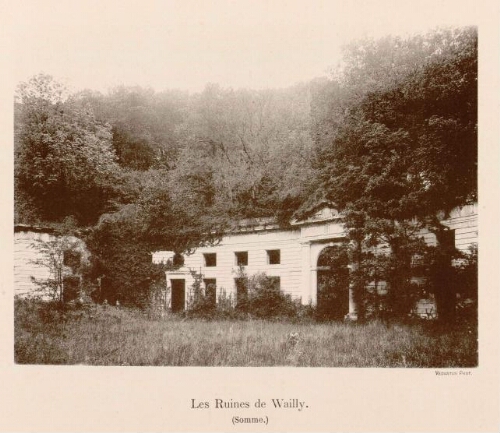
(397, 145)
(64, 161)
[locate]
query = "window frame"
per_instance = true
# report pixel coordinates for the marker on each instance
(206, 262)
(270, 254)
(238, 255)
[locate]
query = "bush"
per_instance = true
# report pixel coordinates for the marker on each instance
(199, 303)
(263, 299)
(266, 300)
(333, 283)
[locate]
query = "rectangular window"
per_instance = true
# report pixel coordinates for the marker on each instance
(210, 259)
(273, 257)
(446, 238)
(241, 258)
(211, 290)
(241, 292)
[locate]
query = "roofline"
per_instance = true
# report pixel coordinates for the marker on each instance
(33, 228)
(46, 229)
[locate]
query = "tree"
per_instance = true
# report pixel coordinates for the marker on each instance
(158, 217)
(148, 175)
(251, 150)
(402, 149)
(64, 162)
(53, 259)
(121, 259)
(147, 126)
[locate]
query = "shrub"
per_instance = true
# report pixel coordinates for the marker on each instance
(262, 299)
(333, 283)
(122, 260)
(265, 299)
(199, 303)
(452, 278)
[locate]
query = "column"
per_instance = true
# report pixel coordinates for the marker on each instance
(306, 273)
(313, 285)
(353, 309)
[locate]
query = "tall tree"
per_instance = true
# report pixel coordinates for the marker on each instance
(64, 161)
(404, 146)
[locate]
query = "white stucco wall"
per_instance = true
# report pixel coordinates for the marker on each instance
(300, 247)
(26, 256)
(256, 244)
(465, 223)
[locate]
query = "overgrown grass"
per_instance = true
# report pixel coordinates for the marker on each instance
(99, 335)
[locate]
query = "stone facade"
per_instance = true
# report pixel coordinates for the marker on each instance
(290, 255)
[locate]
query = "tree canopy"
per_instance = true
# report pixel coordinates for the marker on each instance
(64, 161)
(405, 144)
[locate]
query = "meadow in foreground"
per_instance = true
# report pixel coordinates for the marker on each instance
(99, 335)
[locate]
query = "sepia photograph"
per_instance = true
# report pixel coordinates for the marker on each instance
(247, 184)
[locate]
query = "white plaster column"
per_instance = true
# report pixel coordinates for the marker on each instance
(168, 294)
(314, 285)
(306, 273)
(353, 309)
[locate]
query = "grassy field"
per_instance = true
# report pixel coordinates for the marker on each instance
(98, 335)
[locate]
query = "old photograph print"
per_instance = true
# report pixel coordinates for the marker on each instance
(190, 189)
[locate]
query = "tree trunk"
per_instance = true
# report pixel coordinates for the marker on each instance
(359, 289)
(445, 292)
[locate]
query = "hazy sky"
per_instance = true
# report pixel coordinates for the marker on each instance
(185, 44)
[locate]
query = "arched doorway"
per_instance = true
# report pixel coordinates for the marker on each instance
(333, 283)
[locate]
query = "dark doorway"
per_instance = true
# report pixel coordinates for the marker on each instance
(333, 283)
(71, 288)
(104, 291)
(178, 295)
